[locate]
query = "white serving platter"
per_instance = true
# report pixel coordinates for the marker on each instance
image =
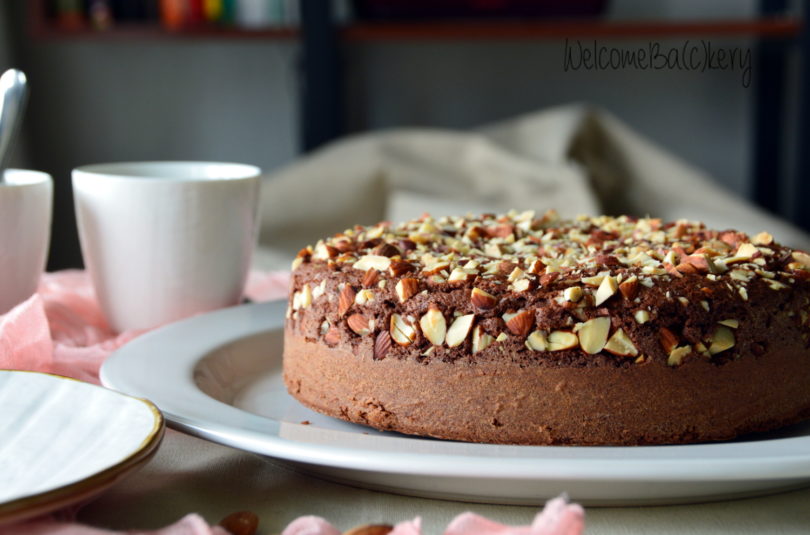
(218, 376)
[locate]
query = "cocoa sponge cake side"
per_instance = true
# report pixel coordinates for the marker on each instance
(529, 329)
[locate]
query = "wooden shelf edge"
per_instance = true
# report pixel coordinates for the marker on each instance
(472, 30)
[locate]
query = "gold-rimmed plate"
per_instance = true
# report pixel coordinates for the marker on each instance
(63, 441)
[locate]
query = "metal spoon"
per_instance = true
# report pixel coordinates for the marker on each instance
(13, 97)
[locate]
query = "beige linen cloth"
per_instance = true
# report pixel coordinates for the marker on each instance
(575, 159)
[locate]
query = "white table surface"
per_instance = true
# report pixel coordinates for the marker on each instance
(192, 475)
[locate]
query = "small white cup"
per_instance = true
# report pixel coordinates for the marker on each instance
(166, 240)
(26, 200)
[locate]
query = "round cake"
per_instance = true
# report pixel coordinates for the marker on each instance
(529, 329)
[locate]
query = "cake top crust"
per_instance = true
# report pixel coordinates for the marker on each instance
(523, 249)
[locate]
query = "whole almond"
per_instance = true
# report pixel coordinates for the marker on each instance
(482, 300)
(521, 323)
(346, 300)
(684, 267)
(500, 231)
(699, 261)
(667, 339)
(241, 523)
(386, 249)
(672, 270)
(382, 344)
(359, 324)
(400, 267)
(370, 529)
(406, 288)
(370, 278)
(332, 336)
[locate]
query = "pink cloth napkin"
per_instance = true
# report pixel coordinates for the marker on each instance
(61, 330)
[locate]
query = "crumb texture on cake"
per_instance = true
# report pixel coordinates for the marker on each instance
(563, 328)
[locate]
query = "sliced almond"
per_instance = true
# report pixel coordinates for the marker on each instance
(460, 275)
(722, 339)
(482, 300)
(593, 334)
(522, 285)
(346, 299)
(516, 274)
(621, 345)
(537, 341)
(641, 316)
(302, 299)
(559, 340)
(596, 280)
(573, 294)
(629, 288)
(360, 324)
(436, 268)
(434, 326)
(371, 261)
(677, 355)
(406, 288)
(606, 289)
(459, 330)
(480, 339)
(802, 258)
(363, 296)
(763, 238)
(746, 251)
(537, 267)
(733, 324)
(402, 330)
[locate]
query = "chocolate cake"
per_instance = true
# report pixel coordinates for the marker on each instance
(527, 329)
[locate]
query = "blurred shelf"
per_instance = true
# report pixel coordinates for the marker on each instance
(504, 29)
(447, 30)
(154, 31)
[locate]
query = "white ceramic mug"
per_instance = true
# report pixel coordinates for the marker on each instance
(26, 200)
(166, 240)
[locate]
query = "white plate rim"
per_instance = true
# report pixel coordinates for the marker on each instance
(178, 348)
(23, 507)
